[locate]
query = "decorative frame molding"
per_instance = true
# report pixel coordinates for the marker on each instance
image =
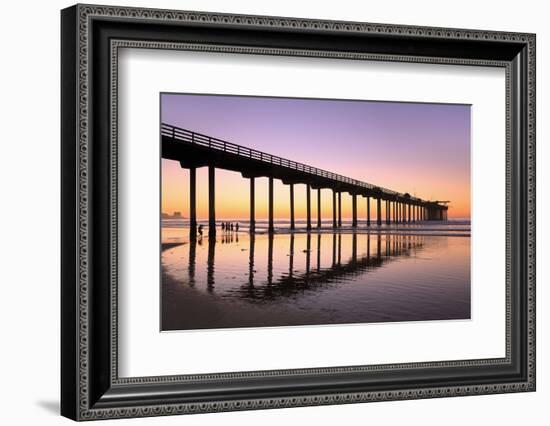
(91, 37)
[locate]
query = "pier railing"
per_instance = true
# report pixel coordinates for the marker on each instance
(188, 136)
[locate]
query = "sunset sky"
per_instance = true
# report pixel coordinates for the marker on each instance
(422, 149)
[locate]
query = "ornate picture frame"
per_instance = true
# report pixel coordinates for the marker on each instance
(91, 39)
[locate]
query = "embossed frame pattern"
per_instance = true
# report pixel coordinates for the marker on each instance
(91, 37)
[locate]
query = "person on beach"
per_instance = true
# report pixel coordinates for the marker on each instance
(200, 230)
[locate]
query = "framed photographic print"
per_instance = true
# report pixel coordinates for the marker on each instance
(263, 212)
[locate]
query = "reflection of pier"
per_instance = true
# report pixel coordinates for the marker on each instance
(375, 251)
(195, 150)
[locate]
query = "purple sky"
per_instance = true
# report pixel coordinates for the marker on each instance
(423, 149)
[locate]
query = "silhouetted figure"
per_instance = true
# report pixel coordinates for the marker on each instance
(200, 230)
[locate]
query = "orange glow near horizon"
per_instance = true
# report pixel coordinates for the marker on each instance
(233, 192)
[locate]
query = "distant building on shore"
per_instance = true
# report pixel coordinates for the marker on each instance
(176, 215)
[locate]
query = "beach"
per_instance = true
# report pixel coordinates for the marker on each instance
(325, 276)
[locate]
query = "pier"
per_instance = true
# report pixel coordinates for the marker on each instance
(193, 150)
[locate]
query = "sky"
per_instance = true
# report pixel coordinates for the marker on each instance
(419, 148)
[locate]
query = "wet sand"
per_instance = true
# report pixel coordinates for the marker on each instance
(184, 306)
(318, 279)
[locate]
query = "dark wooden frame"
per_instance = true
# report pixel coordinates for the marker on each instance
(90, 386)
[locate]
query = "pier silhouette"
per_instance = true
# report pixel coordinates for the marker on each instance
(193, 150)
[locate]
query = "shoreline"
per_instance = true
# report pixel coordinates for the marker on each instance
(166, 245)
(362, 231)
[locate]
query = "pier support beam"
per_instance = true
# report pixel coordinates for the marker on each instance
(270, 228)
(193, 202)
(387, 212)
(368, 211)
(398, 212)
(334, 223)
(354, 208)
(339, 208)
(318, 207)
(378, 211)
(409, 213)
(308, 207)
(211, 201)
(292, 224)
(252, 204)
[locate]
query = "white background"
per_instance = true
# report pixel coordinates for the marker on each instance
(146, 352)
(29, 225)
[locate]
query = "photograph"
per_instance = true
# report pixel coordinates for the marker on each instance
(265, 209)
(279, 211)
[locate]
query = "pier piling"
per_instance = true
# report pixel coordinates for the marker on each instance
(193, 202)
(292, 224)
(334, 221)
(271, 227)
(368, 211)
(354, 210)
(339, 209)
(252, 204)
(211, 201)
(318, 207)
(308, 201)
